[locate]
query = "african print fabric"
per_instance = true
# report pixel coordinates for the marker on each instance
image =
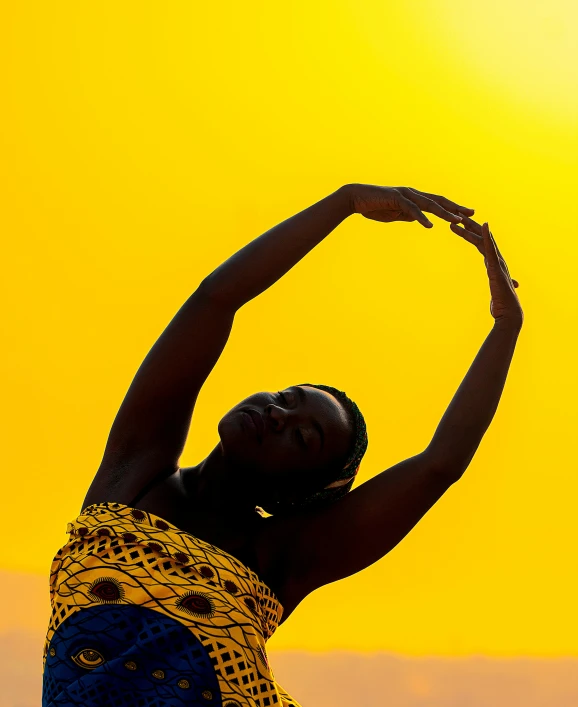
(147, 615)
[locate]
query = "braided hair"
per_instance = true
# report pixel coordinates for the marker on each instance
(343, 477)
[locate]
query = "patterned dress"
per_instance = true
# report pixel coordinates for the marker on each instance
(147, 615)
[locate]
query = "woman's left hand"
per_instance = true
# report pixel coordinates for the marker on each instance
(403, 204)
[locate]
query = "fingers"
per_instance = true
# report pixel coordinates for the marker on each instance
(435, 204)
(493, 254)
(413, 201)
(413, 210)
(479, 241)
(430, 205)
(449, 206)
(472, 225)
(469, 236)
(490, 249)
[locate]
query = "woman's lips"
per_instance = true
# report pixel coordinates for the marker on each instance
(258, 420)
(251, 423)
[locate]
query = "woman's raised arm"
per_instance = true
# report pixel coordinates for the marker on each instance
(151, 426)
(363, 526)
(266, 259)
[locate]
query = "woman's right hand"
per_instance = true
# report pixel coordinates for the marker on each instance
(504, 304)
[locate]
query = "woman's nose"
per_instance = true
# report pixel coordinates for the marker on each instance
(277, 414)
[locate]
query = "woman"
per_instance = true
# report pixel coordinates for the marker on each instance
(171, 583)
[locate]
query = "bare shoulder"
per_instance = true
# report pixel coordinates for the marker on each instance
(145, 478)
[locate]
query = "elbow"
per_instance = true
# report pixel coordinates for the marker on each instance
(450, 464)
(454, 473)
(450, 470)
(211, 292)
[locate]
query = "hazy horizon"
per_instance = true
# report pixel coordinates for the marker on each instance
(315, 678)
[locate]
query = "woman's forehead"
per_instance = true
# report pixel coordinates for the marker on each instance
(325, 404)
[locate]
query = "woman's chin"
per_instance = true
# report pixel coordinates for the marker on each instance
(236, 433)
(236, 442)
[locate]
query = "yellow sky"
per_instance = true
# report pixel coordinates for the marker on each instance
(144, 144)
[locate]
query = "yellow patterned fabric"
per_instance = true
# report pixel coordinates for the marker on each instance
(129, 589)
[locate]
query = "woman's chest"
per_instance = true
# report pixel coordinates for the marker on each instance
(249, 544)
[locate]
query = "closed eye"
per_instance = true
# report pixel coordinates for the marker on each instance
(300, 436)
(298, 433)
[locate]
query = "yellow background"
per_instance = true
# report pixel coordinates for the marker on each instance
(143, 143)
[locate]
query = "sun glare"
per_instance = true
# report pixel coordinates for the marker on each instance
(527, 51)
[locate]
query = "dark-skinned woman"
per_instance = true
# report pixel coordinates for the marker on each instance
(173, 579)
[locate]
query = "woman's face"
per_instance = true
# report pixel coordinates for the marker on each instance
(302, 430)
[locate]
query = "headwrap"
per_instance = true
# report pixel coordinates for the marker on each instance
(344, 478)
